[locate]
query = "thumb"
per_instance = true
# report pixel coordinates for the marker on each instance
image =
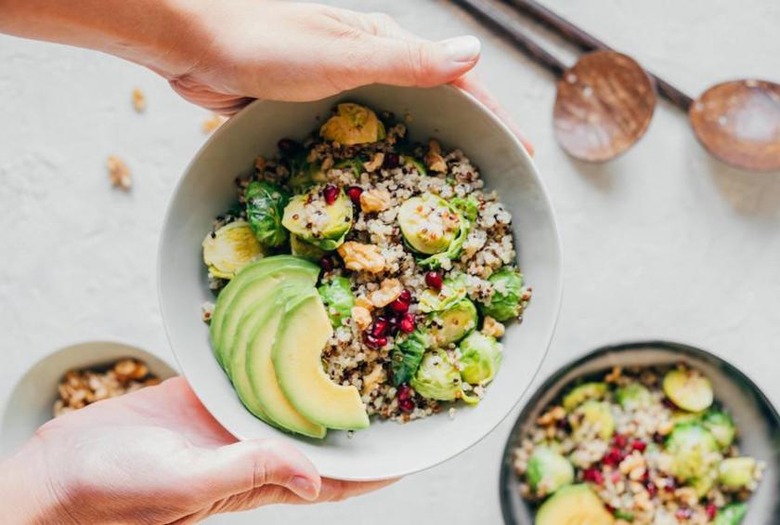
(247, 465)
(416, 62)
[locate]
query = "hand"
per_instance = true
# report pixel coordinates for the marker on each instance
(155, 456)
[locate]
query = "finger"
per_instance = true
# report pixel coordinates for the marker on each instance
(470, 84)
(249, 465)
(338, 490)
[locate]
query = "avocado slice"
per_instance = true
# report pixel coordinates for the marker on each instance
(240, 294)
(255, 377)
(574, 505)
(297, 358)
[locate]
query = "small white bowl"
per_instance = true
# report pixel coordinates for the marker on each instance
(31, 401)
(386, 449)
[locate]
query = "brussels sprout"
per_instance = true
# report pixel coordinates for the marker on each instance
(579, 394)
(548, 471)
(693, 450)
(428, 223)
(452, 291)
(480, 358)
(230, 248)
(731, 514)
(415, 163)
(736, 473)
(508, 289)
(305, 250)
(721, 426)
(633, 396)
(680, 417)
(353, 124)
(624, 515)
(265, 204)
(453, 251)
(304, 174)
(592, 417)
(468, 207)
(451, 325)
(310, 217)
(437, 378)
(337, 295)
(688, 389)
(355, 164)
(406, 357)
(704, 484)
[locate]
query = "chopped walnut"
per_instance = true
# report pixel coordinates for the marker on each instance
(362, 317)
(212, 123)
(614, 375)
(433, 159)
(552, 416)
(327, 163)
(119, 173)
(362, 257)
(633, 465)
(373, 379)
(664, 427)
(375, 163)
(388, 292)
(374, 201)
(363, 302)
(492, 327)
(139, 100)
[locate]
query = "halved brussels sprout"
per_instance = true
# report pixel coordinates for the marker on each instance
(230, 248)
(507, 294)
(592, 417)
(415, 163)
(453, 251)
(313, 220)
(353, 124)
(467, 206)
(265, 204)
(304, 174)
(693, 450)
(406, 357)
(548, 471)
(736, 473)
(305, 250)
(633, 396)
(452, 291)
(438, 378)
(721, 426)
(428, 223)
(480, 358)
(731, 514)
(581, 393)
(681, 417)
(688, 389)
(452, 325)
(337, 296)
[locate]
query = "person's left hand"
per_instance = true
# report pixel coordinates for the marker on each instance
(157, 456)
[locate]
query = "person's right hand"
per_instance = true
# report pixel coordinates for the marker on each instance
(153, 456)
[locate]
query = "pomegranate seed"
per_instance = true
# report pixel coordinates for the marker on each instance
(354, 193)
(398, 306)
(326, 263)
(684, 513)
(407, 405)
(434, 280)
(391, 161)
(404, 392)
(619, 441)
(375, 342)
(405, 296)
(593, 475)
(652, 490)
(407, 323)
(613, 457)
(669, 404)
(638, 445)
(563, 424)
(379, 328)
(658, 438)
(712, 511)
(331, 193)
(670, 485)
(615, 476)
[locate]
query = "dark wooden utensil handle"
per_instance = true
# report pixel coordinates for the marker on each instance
(588, 42)
(497, 20)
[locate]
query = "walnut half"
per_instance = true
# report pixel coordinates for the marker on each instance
(362, 257)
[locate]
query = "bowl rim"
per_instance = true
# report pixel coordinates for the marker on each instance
(544, 194)
(684, 349)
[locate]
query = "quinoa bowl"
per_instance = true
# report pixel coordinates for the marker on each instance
(650, 432)
(355, 341)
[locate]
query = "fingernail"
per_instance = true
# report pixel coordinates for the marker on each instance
(462, 48)
(305, 488)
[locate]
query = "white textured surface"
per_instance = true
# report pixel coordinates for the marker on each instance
(661, 243)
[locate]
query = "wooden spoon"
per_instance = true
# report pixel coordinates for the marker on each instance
(737, 122)
(604, 103)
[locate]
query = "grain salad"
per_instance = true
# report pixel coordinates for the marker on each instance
(642, 446)
(416, 259)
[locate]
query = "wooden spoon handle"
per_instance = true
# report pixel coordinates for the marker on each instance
(498, 20)
(588, 42)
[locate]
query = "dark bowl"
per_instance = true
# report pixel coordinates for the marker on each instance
(754, 415)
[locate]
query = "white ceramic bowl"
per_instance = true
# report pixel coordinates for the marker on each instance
(386, 449)
(31, 401)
